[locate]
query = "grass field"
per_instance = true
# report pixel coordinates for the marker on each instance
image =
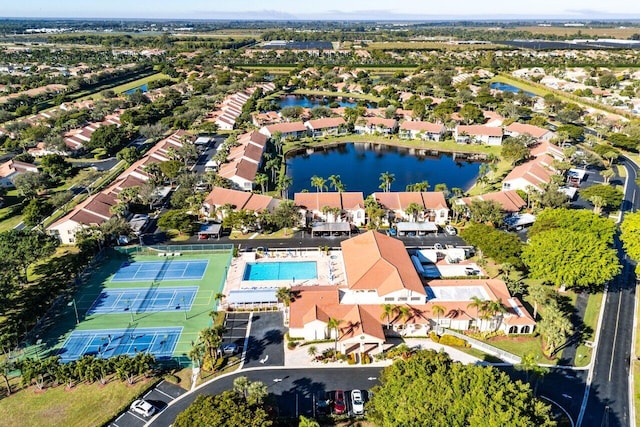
(83, 405)
(126, 86)
(435, 45)
(191, 321)
(611, 32)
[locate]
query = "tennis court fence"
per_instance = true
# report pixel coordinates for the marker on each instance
(158, 249)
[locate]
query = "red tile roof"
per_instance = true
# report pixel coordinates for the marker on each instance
(509, 200)
(423, 126)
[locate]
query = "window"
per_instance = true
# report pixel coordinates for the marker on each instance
(415, 298)
(388, 298)
(402, 298)
(506, 186)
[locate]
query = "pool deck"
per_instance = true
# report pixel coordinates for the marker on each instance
(330, 269)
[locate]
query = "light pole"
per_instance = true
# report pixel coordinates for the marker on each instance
(184, 306)
(75, 308)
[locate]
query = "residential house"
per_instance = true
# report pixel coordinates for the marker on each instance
(547, 148)
(218, 198)
(478, 134)
(433, 206)
(379, 272)
(422, 130)
(10, 169)
(534, 174)
(244, 160)
(538, 133)
(509, 200)
(326, 126)
(287, 130)
(371, 125)
(331, 207)
(96, 209)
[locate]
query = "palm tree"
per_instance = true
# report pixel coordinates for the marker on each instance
(554, 328)
(418, 186)
(438, 310)
(261, 180)
(312, 351)
(284, 182)
(319, 183)
(335, 325)
(386, 179)
(597, 201)
(607, 174)
(387, 311)
(497, 310)
(307, 422)
(476, 303)
(539, 294)
(413, 209)
(336, 183)
(404, 313)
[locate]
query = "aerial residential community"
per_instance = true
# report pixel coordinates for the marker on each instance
(319, 215)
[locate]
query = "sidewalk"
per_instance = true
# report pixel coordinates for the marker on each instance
(300, 358)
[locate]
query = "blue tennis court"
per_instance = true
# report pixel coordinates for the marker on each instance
(144, 300)
(140, 271)
(106, 343)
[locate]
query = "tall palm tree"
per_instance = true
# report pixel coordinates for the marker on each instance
(413, 210)
(476, 303)
(284, 182)
(319, 183)
(386, 179)
(334, 324)
(387, 311)
(261, 180)
(539, 294)
(438, 310)
(496, 309)
(336, 183)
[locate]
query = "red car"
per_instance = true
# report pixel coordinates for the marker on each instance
(339, 405)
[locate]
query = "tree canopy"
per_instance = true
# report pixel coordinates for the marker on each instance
(501, 246)
(571, 258)
(430, 386)
(630, 235)
(580, 221)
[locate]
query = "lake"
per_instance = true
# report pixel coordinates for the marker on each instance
(143, 88)
(509, 88)
(360, 165)
(310, 102)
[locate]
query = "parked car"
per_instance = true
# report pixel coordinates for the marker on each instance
(142, 407)
(323, 404)
(450, 230)
(230, 349)
(339, 404)
(357, 403)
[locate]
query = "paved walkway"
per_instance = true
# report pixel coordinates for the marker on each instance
(300, 358)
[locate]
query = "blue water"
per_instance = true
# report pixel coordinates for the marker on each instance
(508, 88)
(288, 270)
(360, 165)
(142, 88)
(306, 102)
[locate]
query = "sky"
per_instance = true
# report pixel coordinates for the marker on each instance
(325, 9)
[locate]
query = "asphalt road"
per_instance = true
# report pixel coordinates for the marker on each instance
(293, 388)
(608, 401)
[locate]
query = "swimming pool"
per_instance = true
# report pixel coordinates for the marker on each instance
(288, 270)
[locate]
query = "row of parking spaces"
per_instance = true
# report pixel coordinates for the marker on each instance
(236, 325)
(339, 402)
(153, 402)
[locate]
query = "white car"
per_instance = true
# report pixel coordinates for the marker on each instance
(450, 230)
(142, 407)
(357, 403)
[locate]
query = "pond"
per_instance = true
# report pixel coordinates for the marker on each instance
(509, 88)
(310, 102)
(142, 88)
(360, 165)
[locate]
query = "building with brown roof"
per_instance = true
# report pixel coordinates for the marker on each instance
(326, 126)
(219, 198)
(432, 204)
(509, 200)
(534, 174)
(379, 271)
(421, 130)
(371, 125)
(478, 134)
(286, 130)
(244, 160)
(331, 207)
(541, 134)
(10, 169)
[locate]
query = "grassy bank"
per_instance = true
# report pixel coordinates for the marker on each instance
(591, 314)
(82, 405)
(337, 94)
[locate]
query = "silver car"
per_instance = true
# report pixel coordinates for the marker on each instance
(357, 403)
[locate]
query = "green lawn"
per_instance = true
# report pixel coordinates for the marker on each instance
(521, 345)
(583, 353)
(83, 405)
(126, 86)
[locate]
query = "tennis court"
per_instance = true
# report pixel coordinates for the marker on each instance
(106, 343)
(139, 271)
(144, 300)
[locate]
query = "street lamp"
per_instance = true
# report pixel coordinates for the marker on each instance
(75, 308)
(184, 306)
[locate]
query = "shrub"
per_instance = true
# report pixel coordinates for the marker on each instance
(453, 341)
(291, 345)
(172, 378)
(434, 337)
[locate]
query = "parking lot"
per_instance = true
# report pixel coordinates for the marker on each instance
(159, 397)
(319, 404)
(237, 325)
(265, 346)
